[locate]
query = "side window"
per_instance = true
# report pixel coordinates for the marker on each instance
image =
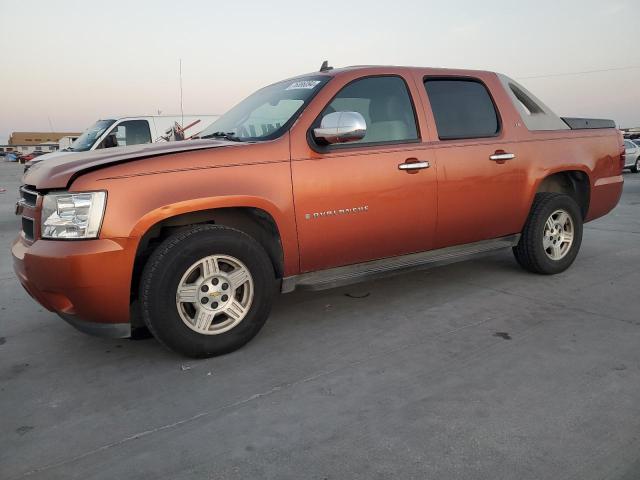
(462, 109)
(628, 144)
(131, 132)
(384, 103)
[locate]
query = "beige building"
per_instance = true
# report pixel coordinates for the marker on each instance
(36, 138)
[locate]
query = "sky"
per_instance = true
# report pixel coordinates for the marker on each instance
(67, 63)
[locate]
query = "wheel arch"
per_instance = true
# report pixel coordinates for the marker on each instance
(575, 183)
(249, 217)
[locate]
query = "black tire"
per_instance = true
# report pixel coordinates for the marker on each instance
(163, 272)
(636, 166)
(530, 252)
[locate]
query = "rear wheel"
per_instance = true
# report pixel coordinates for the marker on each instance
(552, 236)
(636, 167)
(207, 290)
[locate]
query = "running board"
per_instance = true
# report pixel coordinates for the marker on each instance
(336, 277)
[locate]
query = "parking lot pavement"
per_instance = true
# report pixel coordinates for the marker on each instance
(477, 370)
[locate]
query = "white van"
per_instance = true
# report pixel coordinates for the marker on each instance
(125, 131)
(65, 142)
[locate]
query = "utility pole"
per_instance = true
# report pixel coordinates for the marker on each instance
(181, 108)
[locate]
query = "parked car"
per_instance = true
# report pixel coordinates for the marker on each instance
(30, 156)
(309, 183)
(11, 157)
(632, 155)
(128, 131)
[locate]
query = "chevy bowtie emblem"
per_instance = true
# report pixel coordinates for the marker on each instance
(340, 211)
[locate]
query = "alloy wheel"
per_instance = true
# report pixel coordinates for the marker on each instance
(558, 235)
(215, 294)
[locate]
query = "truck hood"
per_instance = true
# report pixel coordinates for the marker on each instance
(59, 172)
(46, 156)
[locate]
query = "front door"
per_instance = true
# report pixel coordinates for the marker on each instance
(357, 202)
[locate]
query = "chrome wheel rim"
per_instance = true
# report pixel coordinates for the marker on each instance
(558, 235)
(214, 294)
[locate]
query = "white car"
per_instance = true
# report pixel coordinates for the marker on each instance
(632, 154)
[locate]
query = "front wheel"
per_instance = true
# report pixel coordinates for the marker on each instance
(207, 290)
(552, 236)
(636, 167)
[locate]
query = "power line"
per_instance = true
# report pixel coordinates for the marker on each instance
(631, 67)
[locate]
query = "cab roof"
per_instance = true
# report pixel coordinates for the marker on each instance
(376, 69)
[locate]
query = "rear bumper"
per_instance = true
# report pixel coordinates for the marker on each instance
(86, 282)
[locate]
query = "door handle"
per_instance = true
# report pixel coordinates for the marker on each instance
(501, 156)
(411, 165)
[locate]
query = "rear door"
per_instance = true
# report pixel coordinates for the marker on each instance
(481, 168)
(354, 202)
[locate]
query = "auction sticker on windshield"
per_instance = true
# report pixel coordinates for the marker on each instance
(304, 84)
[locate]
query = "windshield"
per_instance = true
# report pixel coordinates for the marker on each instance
(267, 113)
(85, 141)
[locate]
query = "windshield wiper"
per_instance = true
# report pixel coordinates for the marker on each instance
(226, 135)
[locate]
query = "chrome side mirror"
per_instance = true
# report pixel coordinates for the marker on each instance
(341, 127)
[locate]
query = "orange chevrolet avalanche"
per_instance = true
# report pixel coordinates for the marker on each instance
(312, 182)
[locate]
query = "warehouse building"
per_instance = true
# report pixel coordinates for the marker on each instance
(29, 148)
(37, 138)
(28, 142)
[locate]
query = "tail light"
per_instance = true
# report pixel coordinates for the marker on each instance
(623, 153)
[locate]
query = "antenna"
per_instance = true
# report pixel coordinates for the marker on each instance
(325, 66)
(181, 109)
(50, 124)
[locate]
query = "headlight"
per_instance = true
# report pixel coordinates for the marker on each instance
(72, 215)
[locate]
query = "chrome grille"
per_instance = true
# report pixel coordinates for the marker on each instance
(28, 208)
(28, 197)
(28, 228)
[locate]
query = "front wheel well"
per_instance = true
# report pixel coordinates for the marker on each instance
(573, 183)
(255, 222)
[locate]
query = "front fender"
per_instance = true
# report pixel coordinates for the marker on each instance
(281, 219)
(209, 203)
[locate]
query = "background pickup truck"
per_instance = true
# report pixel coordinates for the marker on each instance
(127, 131)
(312, 182)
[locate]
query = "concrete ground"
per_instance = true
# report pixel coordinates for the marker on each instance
(477, 370)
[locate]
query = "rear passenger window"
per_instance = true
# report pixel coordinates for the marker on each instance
(462, 109)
